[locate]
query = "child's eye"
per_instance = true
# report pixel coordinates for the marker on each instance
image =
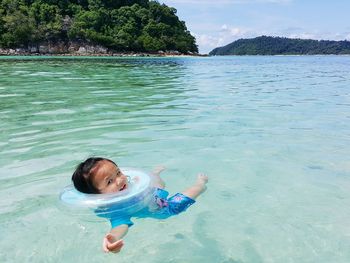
(109, 181)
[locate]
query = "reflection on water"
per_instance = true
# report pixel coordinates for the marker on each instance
(272, 133)
(106, 97)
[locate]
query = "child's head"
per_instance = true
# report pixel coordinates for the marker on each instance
(98, 176)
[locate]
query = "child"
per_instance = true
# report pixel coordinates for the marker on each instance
(100, 175)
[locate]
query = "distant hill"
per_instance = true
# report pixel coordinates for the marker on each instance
(265, 45)
(119, 25)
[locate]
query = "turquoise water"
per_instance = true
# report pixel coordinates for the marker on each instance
(272, 134)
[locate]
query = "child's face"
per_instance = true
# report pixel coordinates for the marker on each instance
(108, 178)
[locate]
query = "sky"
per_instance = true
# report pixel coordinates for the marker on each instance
(217, 23)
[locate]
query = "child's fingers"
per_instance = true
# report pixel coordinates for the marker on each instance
(158, 169)
(203, 177)
(109, 246)
(104, 245)
(105, 249)
(116, 246)
(110, 237)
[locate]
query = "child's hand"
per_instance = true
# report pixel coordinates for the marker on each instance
(158, 169)
(110, 245)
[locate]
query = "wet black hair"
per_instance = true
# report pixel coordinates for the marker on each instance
(82, 176)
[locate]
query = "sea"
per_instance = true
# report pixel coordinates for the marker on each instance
(272, 133)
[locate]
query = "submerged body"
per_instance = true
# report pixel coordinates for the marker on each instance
(158, 206)
(103, 176)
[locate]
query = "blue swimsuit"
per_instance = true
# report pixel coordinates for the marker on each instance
(160, 207)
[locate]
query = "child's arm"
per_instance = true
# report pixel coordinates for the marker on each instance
(112, 242)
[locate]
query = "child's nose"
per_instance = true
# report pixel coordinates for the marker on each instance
(120, 179)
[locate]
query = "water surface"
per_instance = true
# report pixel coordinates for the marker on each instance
(272, 133)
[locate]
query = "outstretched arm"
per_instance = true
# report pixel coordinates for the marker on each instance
(113, 241)
(199, 187)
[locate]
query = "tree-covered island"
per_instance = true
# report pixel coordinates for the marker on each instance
(265, 45)
(92, 26)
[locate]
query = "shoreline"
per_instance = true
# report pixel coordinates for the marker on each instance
(14, 53)
(145, 55)
(280, 55)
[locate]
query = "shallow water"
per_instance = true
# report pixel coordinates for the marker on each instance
(272, 133)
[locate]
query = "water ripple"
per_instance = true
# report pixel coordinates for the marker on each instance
(273, 133)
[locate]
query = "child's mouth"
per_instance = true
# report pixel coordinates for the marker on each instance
(123, 187)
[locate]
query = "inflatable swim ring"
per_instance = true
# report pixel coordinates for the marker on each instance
(130, 200)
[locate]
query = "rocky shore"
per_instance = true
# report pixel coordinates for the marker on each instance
(74, 49)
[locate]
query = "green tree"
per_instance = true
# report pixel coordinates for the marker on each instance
(131, 25)
(17, 28)
(48, 22)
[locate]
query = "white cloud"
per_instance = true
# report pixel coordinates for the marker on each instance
(206, 41)
(226, 34)
(313, 34)
(232, 31)
(224, 27)
(302, 36)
